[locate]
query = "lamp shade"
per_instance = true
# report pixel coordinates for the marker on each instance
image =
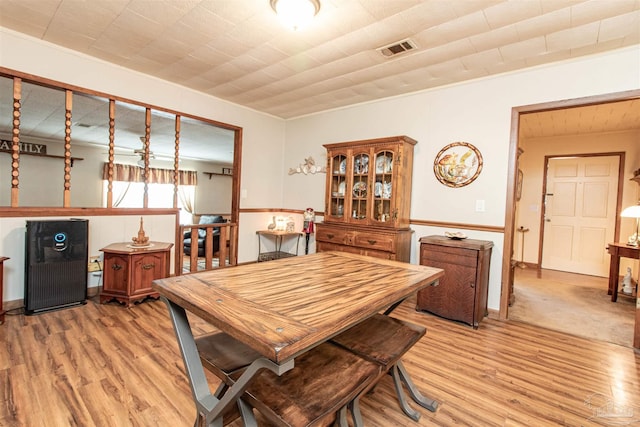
(296, 13)
(631, 212)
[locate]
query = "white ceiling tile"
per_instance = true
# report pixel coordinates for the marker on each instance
(495, 38)
(627, 25)
(523, 49)
(465, 26)
(237, 49)
(556, 20)
(510, 12)
(482, 60)
(572, 38)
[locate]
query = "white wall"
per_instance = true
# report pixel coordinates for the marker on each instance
(478, 112)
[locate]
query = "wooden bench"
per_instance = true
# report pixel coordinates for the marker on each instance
(316, 392)
(384, 340)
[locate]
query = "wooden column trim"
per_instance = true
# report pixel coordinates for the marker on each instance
(147, 136)
(68, 106)
(15, 140)
(112, 133)
(176, 162)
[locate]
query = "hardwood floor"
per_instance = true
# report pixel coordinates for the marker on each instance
(105, 365)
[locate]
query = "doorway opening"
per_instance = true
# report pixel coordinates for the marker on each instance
(575, 126)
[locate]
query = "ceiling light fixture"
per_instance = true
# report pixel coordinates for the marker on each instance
(296, 13)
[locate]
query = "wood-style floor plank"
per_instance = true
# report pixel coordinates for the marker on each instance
(106, 365)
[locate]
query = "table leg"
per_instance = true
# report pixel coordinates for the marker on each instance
(208, 406)
(278, 246)
(614, 271)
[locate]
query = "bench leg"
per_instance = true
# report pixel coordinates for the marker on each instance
(397, 382)
(341, 418)
(425, 402)
(356, 416)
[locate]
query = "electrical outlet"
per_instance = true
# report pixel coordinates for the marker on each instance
(94, 264)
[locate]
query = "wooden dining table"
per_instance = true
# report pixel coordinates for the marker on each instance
(282, 309)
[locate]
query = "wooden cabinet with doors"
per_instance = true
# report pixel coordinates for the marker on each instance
(368, 198)
(129, 271)
(462, 293)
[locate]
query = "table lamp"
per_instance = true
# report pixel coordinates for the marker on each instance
(633, 212)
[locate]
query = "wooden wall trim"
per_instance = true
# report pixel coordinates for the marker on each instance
(476, 227)
(443, 224)
(269, 210)
(71, 212)
(7, 72)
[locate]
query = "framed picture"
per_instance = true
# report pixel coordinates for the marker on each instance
(457, 164)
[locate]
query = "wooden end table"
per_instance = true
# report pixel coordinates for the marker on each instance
(128, 271)
(617, 251)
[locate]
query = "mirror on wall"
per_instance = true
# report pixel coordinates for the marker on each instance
(205, 151)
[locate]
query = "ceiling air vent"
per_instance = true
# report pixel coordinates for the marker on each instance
(397, 48)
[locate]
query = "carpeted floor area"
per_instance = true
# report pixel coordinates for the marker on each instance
(572, 303)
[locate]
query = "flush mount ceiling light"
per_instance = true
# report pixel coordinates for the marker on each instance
(296, 13)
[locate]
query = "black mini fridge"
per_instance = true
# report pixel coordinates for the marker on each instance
(55, 264)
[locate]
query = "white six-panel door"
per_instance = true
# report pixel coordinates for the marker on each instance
(580, 209)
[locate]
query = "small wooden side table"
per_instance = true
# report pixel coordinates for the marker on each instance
(2, 260)
(617, 251)
(129, 270)
(278, 236)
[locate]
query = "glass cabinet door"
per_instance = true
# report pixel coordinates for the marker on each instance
(360, 187)
(383, 186)
(338, 173)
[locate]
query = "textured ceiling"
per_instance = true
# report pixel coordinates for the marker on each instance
(607, 117)
(237, 50)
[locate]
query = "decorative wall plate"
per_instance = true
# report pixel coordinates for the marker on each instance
(343, 166)
(457, 164)
(360, 189)
(384, 164)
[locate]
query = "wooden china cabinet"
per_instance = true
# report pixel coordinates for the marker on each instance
(368, 198)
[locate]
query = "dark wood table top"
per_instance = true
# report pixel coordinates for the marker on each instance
(285, 307)
(618, 246)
